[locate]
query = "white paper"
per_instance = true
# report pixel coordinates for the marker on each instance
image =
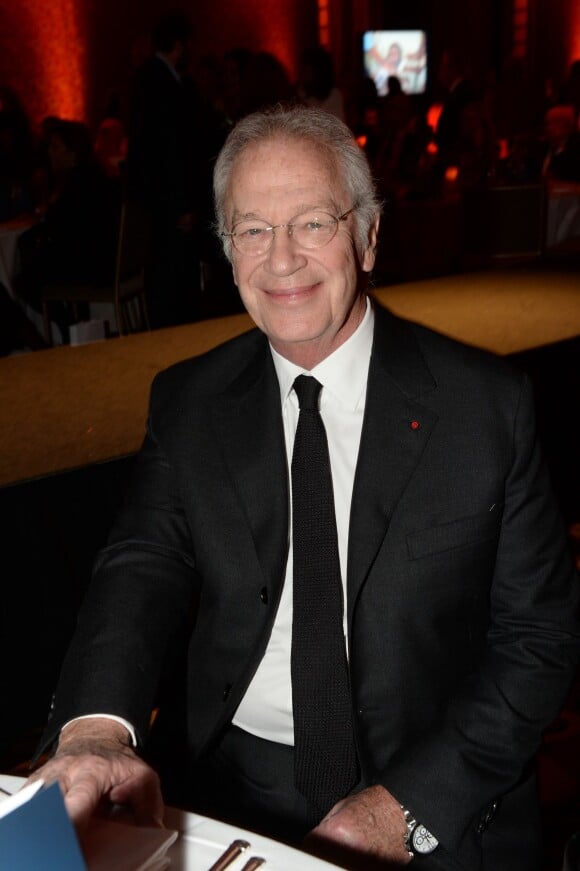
(9, 803)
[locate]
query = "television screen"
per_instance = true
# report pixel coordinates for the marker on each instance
(401, 53)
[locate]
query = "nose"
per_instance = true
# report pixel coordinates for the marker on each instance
(284, 256)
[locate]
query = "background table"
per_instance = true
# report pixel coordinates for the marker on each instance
(10, 232)
(562, 214)
(67, 407)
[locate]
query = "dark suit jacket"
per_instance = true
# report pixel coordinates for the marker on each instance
(448, 134)
(565, 164)
(162, 165)
(462, 604)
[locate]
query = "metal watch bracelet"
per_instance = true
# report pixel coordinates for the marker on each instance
(410, 822)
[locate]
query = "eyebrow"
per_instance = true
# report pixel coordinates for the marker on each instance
(331, 208)
(245, 216)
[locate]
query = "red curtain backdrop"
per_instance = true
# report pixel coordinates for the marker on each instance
(43, 49)
(65, 57)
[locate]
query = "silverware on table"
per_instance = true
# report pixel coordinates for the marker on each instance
(230, 854)
(253, 863)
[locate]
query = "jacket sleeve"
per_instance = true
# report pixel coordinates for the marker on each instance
(138, 601)
(493, 724)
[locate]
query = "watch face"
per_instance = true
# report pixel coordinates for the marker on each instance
(423, 840)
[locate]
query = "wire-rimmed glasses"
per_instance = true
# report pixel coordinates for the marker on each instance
(312, 229)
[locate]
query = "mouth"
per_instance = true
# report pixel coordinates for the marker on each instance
(290, 295)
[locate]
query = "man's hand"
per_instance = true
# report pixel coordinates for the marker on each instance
(94, 763)
(369, 824)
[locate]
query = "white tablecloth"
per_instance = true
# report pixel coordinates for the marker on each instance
(563, 213)
(10, 231)
(202, 840)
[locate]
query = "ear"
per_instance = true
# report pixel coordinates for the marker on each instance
(369, 252)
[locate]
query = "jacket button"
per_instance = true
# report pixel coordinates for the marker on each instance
(264, 595)
(227, 691)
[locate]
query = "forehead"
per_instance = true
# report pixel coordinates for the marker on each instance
(289, 172)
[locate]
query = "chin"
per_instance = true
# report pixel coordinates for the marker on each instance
(298, 333)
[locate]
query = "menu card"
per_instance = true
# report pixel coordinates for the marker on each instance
(36, 833)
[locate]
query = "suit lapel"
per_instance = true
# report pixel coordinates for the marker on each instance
(396, 429)
(248, 422)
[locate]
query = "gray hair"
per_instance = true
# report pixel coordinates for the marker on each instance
(325, 132)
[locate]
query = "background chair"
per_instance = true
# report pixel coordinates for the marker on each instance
(572, 854)
(126, 291)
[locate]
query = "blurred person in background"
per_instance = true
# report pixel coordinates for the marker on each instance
(17, 157)
(162, 176)
(570, 93)
(316, 84)
(458, 92)
(76, 239)
(111, 140)
(562, 158)
(396, 111)
(265, 83)
(235, 64)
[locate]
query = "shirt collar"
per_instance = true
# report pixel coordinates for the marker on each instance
(344, 373)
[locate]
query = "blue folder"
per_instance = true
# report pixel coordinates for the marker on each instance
(39, 836)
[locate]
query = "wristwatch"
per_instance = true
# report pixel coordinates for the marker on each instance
(418, 838)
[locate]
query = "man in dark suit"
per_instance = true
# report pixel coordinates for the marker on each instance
(460, 620)
(458, 94)
(562, 145)
(163, 168)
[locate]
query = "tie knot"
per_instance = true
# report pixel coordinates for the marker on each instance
(307, 390)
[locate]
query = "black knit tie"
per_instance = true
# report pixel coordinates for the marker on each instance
(325, 767)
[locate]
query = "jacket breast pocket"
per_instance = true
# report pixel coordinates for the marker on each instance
(459, 533)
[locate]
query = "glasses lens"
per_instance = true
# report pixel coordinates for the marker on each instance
(252, 237)
(314, 230)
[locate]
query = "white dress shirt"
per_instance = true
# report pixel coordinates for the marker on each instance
(266, 709)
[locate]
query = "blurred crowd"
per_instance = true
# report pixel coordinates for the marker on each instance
(157, 146)
(476, 131)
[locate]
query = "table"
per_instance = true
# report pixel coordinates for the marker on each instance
(202, 840)
(563, 213)
(10, 232)
(66, 408)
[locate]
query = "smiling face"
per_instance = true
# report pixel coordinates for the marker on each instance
(307, 301)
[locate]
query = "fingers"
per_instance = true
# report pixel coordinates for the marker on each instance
(82, 797)
(83, 780)
(87, 780)
(142, 793)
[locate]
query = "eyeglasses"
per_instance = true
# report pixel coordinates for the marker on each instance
(310, 230)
